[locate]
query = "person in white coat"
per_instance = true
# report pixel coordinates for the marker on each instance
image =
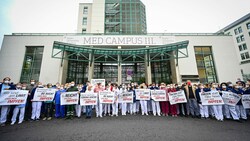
(99, 107)
(36, 105)
(155, 104)
(217, 108)
(143, 103)
(115, 104)
(19, 108)
(124, 105)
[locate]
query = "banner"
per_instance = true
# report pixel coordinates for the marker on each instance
(106, 97)
(69, 98)
(95, 81)
(88, 99)
(13, 97)
(211, 98)
(230, 98)
(142, 94)
(177, 97)
(246, 101)
(126, 97)
(44, 94)
(158, 95)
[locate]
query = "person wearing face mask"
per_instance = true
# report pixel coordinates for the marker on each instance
(28, 106)
(36, 105)
(143, 103)
(173, 108)
(48, 106)
(183, 110)
(165, 104)
(5, 108)
(109, 88)
(18, 108)
(89, 90)
(60, 109)
(217, 108)
(99, 107)
(115, 104)
(191, 97)
(124, 104)
(247, 91)
(70, 108)
(241, 112)
(203, 108)
(228, 109)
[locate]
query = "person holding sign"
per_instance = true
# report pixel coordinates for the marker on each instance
(217, 108)
(115, 104)
(241, 112)
(18, 108)
(229, 109)
(36, 105)
(165, 104)
(48, 106)
(203, 108)
(89, 90)
(4, 109)
(70, 108)
(173, 108)
(99, 107)
(60, 109)
(124, 104)
(155, 104)
(143, 103)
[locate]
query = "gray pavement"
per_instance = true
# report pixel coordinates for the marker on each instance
(128, 128)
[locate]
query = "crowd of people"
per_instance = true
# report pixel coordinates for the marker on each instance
(36, 110)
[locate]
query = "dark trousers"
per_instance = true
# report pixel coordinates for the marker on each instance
(48, 107)
(183, 108)
(70, 110)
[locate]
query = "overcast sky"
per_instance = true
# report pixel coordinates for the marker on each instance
(163, 16)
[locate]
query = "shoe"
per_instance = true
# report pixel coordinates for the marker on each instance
(117, 115)
(49, 118)
(44, 118)
(20, 122)
(37, 119)
(2, 124)
(159, 115)
(12, 123)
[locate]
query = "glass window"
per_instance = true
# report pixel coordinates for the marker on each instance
(32, 64)
(247, 55)
(84, 21)
(85, 10)
(242, 56)
(244, 47)
(205, 64)
(240, 30)
(242, 38)
(84, 30)
(240, 47)
(236, 31)
(248, 25)
(238, 39)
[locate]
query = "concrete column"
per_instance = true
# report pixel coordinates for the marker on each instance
(119, 68)
(91, 67)
(174, 70)
(148, 76)
(63, 70)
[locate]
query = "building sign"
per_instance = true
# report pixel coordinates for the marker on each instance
(119, 40)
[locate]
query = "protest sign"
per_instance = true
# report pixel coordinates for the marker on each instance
(142, 94)
(158, 95)
(126, 97)
(177, 97)
(13, 97)
(211, 98)
(44, 94)
(88, 99)
(69, 98)
(230, 98)
(106, 97)
(246, 101)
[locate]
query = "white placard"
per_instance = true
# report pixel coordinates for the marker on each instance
(211, 98)
(158, 95)
(13, 97)
(142, 94)
(126, 97)
(230, 98)
(69, 98)
(88, 99)
(106, 97)
(44, 94)
(177, 97)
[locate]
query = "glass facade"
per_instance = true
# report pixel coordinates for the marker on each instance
(161, 72)
(205, 64)
(134, 72)
(77, 70)
(32, 64)
(125, 17)
(106, 71)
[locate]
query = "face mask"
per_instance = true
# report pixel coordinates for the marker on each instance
(61, 88)
(240, 87)
(202, 87)
(224, 87)
(230, 85)
(6, 82)
(40, 85)
(23, 88)
(32, 83)
(247, 86)
(236, 87)
(18, 87)
(72, 85)
(214, 86)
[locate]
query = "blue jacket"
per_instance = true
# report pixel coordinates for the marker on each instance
(197, 91)
(247, 91)
(84, 88)
(239, 91)
(12, 87)
(57, 96)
